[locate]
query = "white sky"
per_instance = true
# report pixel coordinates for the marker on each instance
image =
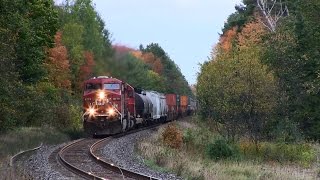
(185, 29)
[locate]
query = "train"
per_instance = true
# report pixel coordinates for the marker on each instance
(112, 106)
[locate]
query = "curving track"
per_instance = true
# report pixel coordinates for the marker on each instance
(76, 157)
(81, 158)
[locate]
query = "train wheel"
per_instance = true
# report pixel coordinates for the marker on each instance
(124, 125)
(131, 123)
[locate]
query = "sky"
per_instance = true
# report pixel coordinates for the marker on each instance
(186, 29)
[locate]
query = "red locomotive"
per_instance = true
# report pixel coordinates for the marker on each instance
(112, 106)
(109, 105)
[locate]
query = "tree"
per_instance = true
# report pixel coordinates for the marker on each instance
(272, 11)
(174, 80)
(236, 90)
(84, 31)
(292, 51)
(86, 70)
(244, 14)
(34, 24)
(228, 39)
(57, 64)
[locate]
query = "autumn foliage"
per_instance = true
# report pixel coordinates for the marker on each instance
(151, 60)
(57, 64)
(172, 137)
(227, 39)
(251, 33)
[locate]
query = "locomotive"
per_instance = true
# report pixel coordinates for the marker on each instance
(111, 106)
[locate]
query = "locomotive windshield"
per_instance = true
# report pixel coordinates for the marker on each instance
(92, 86)
(111, 86)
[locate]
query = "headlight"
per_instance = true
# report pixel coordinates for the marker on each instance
(111, 112)
(91, 111)
(102, 95)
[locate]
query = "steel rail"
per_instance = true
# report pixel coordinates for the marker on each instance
(114, 167)
(13, 158)
(73, 168)
(110, 166)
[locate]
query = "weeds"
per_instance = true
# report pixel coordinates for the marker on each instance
(303, 154)
(196, 158)
(22, 139)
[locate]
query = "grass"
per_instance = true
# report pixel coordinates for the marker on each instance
(274, 161)
(22, 139)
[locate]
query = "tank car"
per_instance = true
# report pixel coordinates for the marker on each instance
(144, 108)
(159, 111)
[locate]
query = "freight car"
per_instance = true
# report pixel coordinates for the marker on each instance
(112, 106)
(172, 103)
(184, 102)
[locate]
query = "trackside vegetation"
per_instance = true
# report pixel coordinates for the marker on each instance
(205, 154)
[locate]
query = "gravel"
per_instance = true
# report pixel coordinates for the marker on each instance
(43, 165)
(121, 152)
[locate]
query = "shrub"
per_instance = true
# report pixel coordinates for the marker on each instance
(303, 154)
(188, 136)
(220, 149)
(172, 137)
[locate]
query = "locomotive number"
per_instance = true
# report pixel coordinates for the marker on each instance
(100, 103)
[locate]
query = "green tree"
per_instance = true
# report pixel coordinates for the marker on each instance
(84, 31)
(34, 24)
(293, 53)
(174, 80)
(236, 91)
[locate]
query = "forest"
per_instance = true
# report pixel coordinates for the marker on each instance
(48, 50)
(259, 100)
(262, 80)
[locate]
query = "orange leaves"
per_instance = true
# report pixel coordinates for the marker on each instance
(57, 64)
(251, 34)
(147, 57)
(150, 59)
(227, 39)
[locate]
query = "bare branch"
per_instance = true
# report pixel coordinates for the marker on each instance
(269, 7)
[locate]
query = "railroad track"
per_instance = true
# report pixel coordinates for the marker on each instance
(81, 158)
